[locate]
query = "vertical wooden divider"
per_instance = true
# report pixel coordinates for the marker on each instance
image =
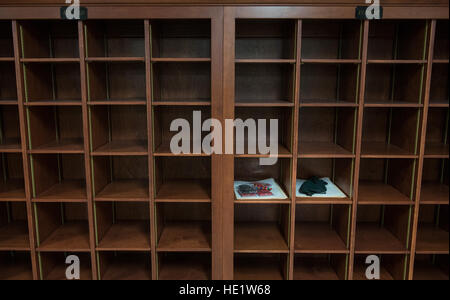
(228, 159)
(362, 87)
(87, 148)
(421, 143)
(148, 90)
(217, 108)
(24, 143)
(298, 53)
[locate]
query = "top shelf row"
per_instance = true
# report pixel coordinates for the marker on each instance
(255, 39)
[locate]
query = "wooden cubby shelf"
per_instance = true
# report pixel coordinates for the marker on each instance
(92, 163)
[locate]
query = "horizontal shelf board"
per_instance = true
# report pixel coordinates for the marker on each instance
(383, 150)
(359, 273)
(118, 102)
(396, 61)
(65, 191)
(53, 103)
(330, 61)
(268, 201)
(322, 150)
(12, 190)
(127, 268)
(317, 200)
(11, 146)
(126, 236)
(434, 193)
(327, 103)
(264, 61)
(312, 237)
(70, 237)
(436, 150)
(51, 60)
(181, 102)
(129, 190)
(184, 191)
(371, 238)
(264, 103)
(188, 236)
(440, 61)
(9, 102)
(250, 268)
(374, 103)
(67, 146)
(115, 59)
(439, 104)
(378, 193)
(164, 150)
(428, 271)
(314, 268)
(185, 268)
(6, 59)
(179, 59)
(259, 237)
(17, 270)
(283, 152)
(432, 240)
(122, 147)
(14, 236)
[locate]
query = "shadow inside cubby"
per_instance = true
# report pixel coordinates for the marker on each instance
(441, 45)
(260, 266)
(12, 186)
(6, 40)
(432, 232)
(392, 267)
(10, 139)
(15, 265)
(439, 94)
(184, 266)
(320, 267)
(54, 266)
(8, 90)
(124, 265)
(431, 267)
(13, 226)
(436, 143)
(435, 181)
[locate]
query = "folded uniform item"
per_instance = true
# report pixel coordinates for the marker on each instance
(255, 189)
(312, 186)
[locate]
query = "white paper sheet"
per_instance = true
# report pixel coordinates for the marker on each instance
(277, 191)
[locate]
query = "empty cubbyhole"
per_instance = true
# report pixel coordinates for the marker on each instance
(183, 179)
(8, 90)
(13, 226)
(322, 228)
(119, 130)
(58, 266)
(183, 82)
(184, 266)
(121, 178)
(261, 266)
(124, 266)
(163, 116)
(327, 132)
(261, 228)
(49, 39)
(383, 229)
(251, 169)
(181, 39)
(436, 144)
(431, 267)
(56, 83)
(6, 39)
(12, 187)
(394, 84)
(397, 39)
(339, 172)
(121, 38)
(15, 265)
(331, 39)
(432, 233)
(333, 84)
(320, 267)
(123, 226)
(392, 267)
(441, 47)
(264, 84)
(380, 182)
(435, 181)
(184, 227)
(59, 178)
(246, 141)
(116, 82)
(265, 39)
(62, 227)
(9, 129)
(439, 95)
(387, 132)
(55, 129)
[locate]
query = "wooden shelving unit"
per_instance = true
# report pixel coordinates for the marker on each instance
(85, 129)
